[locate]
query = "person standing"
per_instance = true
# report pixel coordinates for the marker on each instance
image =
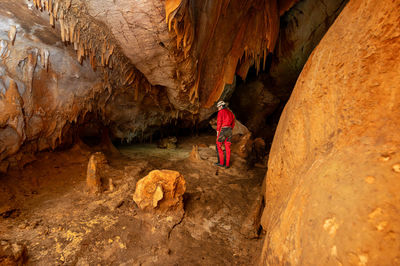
(225, 125)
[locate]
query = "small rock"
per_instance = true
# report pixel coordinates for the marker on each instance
(160, 191)
(12, 253)
(167, 143)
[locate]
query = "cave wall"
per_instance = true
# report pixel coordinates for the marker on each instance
(48, 84)
(301, 29)
(259, 99)
(43, 88)
(332, 184)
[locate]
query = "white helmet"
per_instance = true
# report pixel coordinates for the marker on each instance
(220, 103)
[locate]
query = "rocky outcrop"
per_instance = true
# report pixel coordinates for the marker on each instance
(331, 188)
(160, 191)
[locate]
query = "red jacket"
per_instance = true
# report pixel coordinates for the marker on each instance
(225, 119)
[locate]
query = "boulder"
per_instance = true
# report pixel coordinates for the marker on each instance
(244, 146)
(331, 190)
(160, 191)
(95, 172)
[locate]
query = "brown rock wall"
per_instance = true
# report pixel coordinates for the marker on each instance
(331, 189)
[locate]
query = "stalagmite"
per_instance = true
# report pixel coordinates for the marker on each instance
(12, 33)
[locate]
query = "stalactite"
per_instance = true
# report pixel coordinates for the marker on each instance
(50, 6)
(51, 19)
(3, 48)
(12, 33)
(44, 58)
(62, 29)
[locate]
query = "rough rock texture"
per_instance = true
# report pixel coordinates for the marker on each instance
(12, 253)
(131, 66)
(332, 188)
(95, 172)
(43, 88)
(141, 30)
(254, 103)
(160, 191)
(301, 29)
(194, 155)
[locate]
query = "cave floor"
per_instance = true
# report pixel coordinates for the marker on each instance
(46, 207)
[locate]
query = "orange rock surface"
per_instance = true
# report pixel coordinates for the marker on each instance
(160, 191)
(331, 188)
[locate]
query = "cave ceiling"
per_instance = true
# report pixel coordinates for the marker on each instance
(190, 48)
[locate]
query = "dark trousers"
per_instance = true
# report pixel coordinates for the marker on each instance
(224, 138)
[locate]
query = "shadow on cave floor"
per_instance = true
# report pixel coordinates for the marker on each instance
(46, 207)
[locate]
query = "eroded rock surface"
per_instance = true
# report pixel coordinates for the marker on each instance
(331, 191)
(160, 191)
(301, 30)
(95, 175)
(12, 253)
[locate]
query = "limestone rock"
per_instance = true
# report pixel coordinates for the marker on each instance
(254, 102)
(339, 129)
(95, 172)
(194, 155)
(167, 143)
(302, 27)
(12, 253)
(160, 191)
(244, 146)
(251, 225)
(239, 128)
